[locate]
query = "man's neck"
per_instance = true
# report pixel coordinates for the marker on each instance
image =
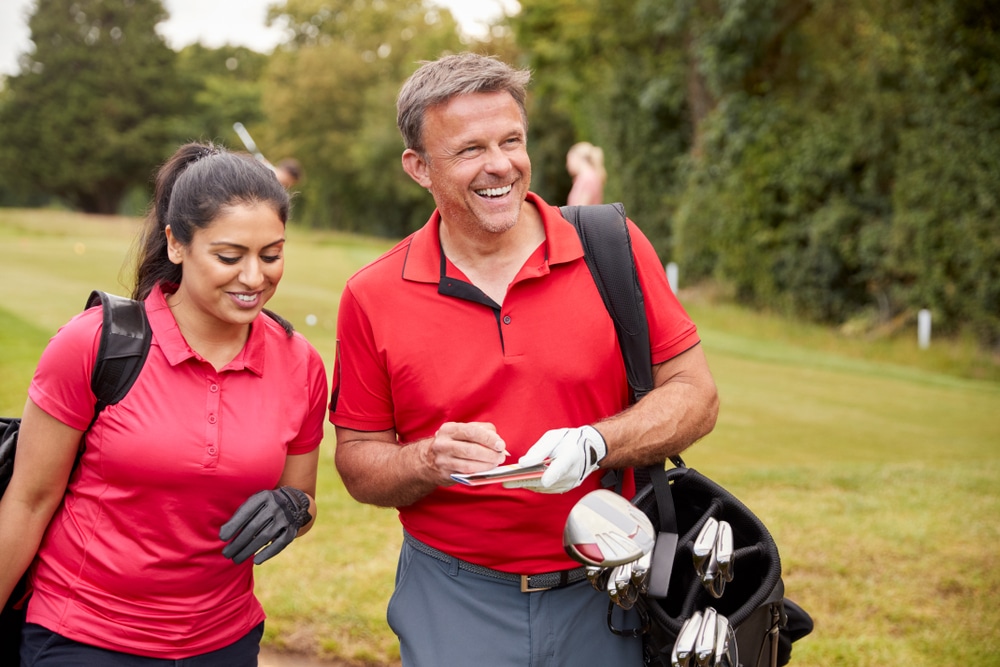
(491, 261)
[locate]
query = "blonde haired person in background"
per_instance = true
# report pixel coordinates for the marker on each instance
(585, 163)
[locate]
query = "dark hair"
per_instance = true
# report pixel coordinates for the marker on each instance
(292, 166)
(192, 187)
(438, 81)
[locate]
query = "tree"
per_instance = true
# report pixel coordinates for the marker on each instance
(89, 114)
(833, 160)
(224, 85)
(329, 99)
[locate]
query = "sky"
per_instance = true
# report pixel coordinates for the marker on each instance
(218, 22)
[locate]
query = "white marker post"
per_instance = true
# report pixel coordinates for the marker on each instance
(672, 276)
(924, 328)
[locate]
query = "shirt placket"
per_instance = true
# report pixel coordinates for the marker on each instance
(210, 459)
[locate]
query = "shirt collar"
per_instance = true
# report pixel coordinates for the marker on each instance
(423, 256)
(168, 335)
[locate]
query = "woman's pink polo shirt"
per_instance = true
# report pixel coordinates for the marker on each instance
(132, 560)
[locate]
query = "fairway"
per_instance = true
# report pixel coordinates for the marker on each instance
(875, 468)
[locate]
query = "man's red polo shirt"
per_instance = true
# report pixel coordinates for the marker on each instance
(419, 346)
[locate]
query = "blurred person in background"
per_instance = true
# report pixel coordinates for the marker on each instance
(585, 163)
(288, 171)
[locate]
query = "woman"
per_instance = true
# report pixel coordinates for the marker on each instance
(210, 456)
(585, 163)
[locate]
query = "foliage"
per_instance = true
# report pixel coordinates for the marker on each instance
(835, 160)
(601, 75)
(839, 161)
(89, 114)
(224, 87)
(329, 98)
(863, 189)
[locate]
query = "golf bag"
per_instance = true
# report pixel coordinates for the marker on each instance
(124, 344)
(680, 501)
(753, 602)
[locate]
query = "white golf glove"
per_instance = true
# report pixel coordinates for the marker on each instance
(575, 453)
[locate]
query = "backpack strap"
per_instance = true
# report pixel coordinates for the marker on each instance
(125, 341)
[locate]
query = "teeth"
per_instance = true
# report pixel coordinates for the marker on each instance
(494, 192)
(246, 297)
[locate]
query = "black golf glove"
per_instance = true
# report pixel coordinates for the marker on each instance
(270, 518)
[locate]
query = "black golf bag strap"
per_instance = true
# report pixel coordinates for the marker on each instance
(124, 345)
(607, 250)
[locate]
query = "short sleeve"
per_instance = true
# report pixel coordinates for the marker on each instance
(671, 330)
(61, 384)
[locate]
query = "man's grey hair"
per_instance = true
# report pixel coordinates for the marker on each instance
(435, 82)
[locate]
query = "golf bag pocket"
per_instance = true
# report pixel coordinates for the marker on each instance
(727, 568)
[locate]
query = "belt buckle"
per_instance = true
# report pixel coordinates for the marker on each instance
(525, 588)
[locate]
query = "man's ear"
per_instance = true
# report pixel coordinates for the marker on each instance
(415, 165)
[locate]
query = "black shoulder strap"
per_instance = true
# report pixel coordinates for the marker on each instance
(607, 249)
(125, 340)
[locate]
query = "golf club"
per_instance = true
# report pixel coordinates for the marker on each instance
(724, 649)
(704, 544)
(683, 649)
(713, 555)
(705, 640)
(640, 572)
(605, 530)
(249, 142)
(704, 645)
(724, 551)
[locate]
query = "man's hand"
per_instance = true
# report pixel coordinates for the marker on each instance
(269, 519)
(465, 448)
(575, 453)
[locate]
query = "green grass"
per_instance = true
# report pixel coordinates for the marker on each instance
(874, 464)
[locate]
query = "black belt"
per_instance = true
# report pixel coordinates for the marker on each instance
(530, 583)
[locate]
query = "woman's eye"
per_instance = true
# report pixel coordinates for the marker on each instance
(228, 260)
(270, 259)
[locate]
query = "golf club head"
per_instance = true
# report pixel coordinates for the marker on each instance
(724, 550)
(598, 577)
(722, 657)
(626, 592)
(683, 649)
(622, 575)
(704, 645)
(640, 573)
(704, 545)
(612, 585)
(606, 530)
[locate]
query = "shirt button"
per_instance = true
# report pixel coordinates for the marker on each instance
(506, 319)
(211, 419)
(212, 450)
(214, 388)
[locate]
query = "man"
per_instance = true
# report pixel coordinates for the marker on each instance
(481, 339)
